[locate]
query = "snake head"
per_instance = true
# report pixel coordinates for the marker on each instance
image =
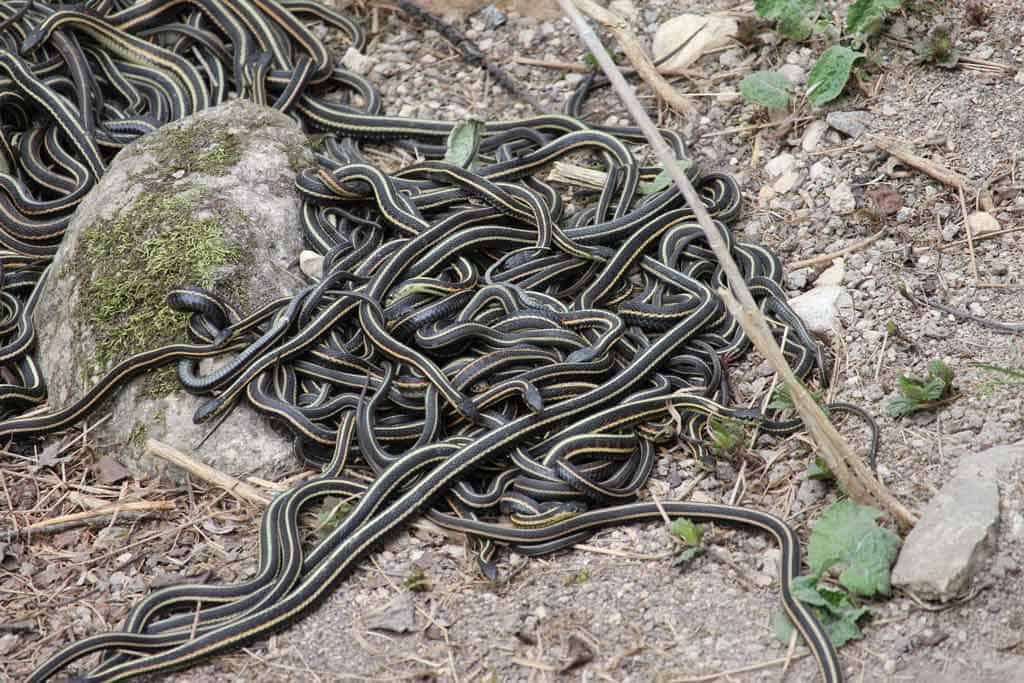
(533, 398)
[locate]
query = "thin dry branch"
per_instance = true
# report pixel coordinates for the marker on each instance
(619, 27)
(828, 258)
(238, 489)
(939, 172)
(77, 519)
(852, 474)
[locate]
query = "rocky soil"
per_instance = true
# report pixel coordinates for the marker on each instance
(617, 609)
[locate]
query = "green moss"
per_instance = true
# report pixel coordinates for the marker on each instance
(131, 262)
(201, 147)
(138, 436)
(298, 158)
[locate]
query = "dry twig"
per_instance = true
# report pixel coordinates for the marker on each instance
(939, 172)
(236, 488)
(619, 27)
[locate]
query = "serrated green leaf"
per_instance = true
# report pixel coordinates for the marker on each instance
(463, 142)
(934, 388)
(795, 17)
(938, 369)
(830, 74)
(768, 88)
(686, 531)
(865, 17)
(913, 388)
(846, 534)
(663, 179)
(832, 606)
(805, 589)
(841, 631)
(901, 406)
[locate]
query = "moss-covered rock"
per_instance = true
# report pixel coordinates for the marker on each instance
(208, 200)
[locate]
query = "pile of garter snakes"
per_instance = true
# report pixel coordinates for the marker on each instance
(505, 362)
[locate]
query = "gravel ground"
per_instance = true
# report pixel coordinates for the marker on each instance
(618, 610)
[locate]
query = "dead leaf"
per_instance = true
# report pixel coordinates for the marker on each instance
(109, 471)
(887, 201)
(218, 529)
(8, 643)
(49, 456)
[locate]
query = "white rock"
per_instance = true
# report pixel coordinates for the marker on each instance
(357, 62)
(783, 163)
(626, 8)
(812, 137)
(841, 199)
(833, 275)
(956, 533)
(980, 222)
(819, 308)
(717, 32)
(821, 170)
(852, 123)
(526, 37)
(312, 264)
(1019, 78)
(765, 196)
(786, 182)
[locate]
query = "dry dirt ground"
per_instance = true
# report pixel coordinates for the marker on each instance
(617, 609)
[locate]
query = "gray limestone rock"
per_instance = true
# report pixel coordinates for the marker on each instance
(958, 529)
(208, 200)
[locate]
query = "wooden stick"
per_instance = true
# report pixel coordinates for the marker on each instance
(619, 27)
(941, 173)
(827, 258)
(76, 519)
(236, 488)
(970, 233)
(851, 472)
(573, 174)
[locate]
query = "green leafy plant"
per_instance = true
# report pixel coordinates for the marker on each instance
(939, 48)
(830, 74)
(663, 179)
(865, 18)
(798, 20)
(728, 436)
(767, 88)
(330, 514)
(918, 394)
(847, 539)
(691, 536)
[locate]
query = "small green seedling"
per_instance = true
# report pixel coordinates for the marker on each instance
(924, 394)
(691, 537)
